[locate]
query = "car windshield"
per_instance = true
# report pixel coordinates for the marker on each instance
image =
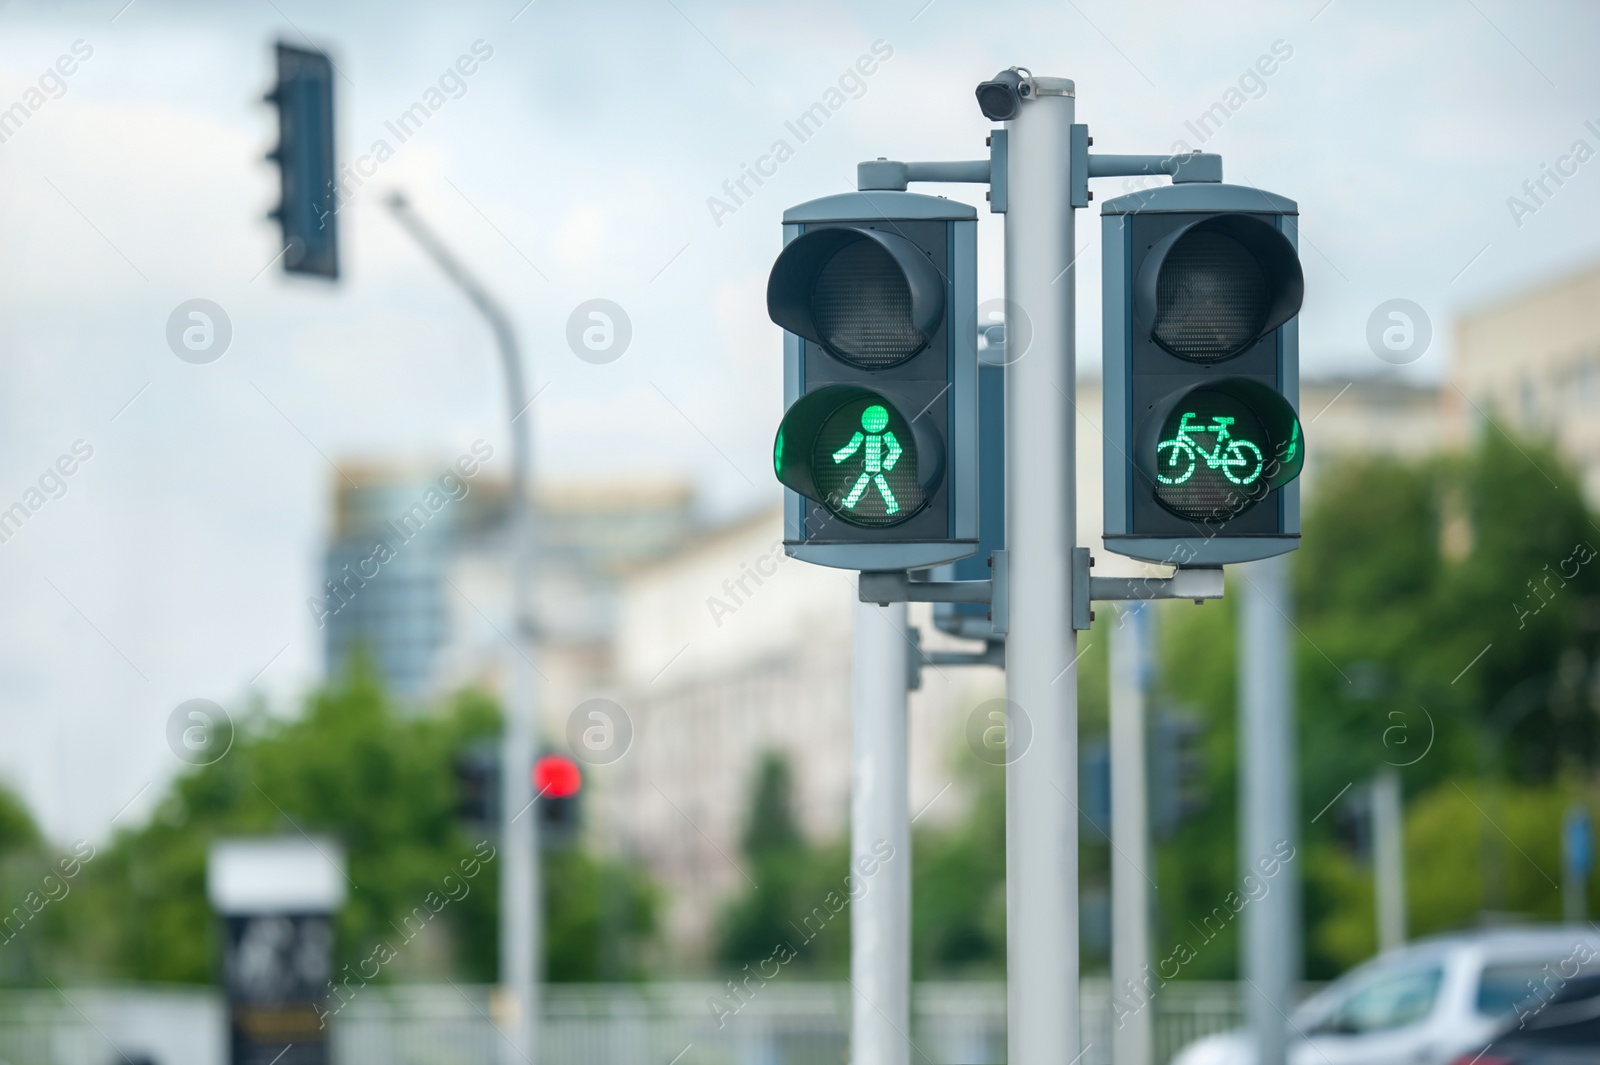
(1387, 1000)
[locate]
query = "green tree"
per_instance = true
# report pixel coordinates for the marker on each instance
(380, 782)
(798, 899)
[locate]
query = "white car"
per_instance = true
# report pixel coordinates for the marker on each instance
(1425, 1004)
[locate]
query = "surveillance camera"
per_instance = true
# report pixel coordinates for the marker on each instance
(1000, 96)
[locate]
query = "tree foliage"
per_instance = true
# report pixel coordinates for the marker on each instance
(382, 783)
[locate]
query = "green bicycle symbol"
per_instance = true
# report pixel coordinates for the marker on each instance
(1183, 453)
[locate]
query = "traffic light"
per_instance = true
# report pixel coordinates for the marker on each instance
(557, 780)
(305, 158)
(1177, 771)
(478, 786)
(877, 292)
(1202, 283)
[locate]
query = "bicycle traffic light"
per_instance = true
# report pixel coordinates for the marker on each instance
(877, 293)
(1202, 283)
(305, 157)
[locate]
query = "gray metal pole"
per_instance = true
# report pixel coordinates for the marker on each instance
(1132, 983)
(1388, 859)
(1041, 646)
(520, 905)
(1269, 813)
(880, 824)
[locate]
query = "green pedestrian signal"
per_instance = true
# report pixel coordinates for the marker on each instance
(856, 454)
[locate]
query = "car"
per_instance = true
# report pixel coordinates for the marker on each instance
(1563, 1029)
(1424, 1004)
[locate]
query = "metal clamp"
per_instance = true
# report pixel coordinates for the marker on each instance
(1198, 583)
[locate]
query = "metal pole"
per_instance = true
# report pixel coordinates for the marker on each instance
(880, 886)
(1268, 811)
(520, 906)
(1388, 859)
(1132, 983)
(1041, 646)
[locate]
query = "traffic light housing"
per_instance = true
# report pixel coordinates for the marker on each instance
(308, 210)
(477, 771)
(1202, 285)
(558, 783)
(972, 620)
(877, 294)
(1177, 770)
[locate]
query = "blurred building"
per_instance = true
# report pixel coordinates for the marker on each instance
(728, 649)
(417, 574)
(1346, 416)
(384, 576)
(1532, 363)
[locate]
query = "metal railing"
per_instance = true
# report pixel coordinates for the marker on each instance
(781, 1023)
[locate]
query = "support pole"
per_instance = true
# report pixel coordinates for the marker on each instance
(1268, 810)
(1388, 864)
(1131, 981)
(1041, 648)
(520, 903)
(880, 917)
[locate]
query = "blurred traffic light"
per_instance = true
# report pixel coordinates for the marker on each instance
(478, 786)
(308, 211)
(1177, 771)
(557, 782)
(877, 292)
(1202, 285)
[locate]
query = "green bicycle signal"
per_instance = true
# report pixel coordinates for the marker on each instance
(1240, 461)
(1215, 451)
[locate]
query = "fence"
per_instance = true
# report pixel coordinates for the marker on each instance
(794, 1023)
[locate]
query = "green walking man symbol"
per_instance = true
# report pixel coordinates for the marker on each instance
(879, 452)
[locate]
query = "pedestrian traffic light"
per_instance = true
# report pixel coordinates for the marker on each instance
(557, 780)
(877, 292)
(1202, 283)
(308, 211)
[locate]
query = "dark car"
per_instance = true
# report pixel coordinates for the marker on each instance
(1561, 1029)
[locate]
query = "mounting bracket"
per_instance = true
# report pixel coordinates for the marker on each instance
(1198, 583)
(896, 586)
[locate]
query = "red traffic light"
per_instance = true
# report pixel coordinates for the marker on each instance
(556, 776)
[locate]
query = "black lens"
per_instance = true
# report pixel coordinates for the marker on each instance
(861, 306)
(1212, 298)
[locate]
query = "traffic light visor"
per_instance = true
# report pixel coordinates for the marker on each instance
(856, 453)
(1213, 451)
(1211, 289)
(872, 299)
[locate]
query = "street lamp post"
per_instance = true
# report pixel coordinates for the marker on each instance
(520, 939)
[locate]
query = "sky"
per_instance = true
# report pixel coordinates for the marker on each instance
(579, 161)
